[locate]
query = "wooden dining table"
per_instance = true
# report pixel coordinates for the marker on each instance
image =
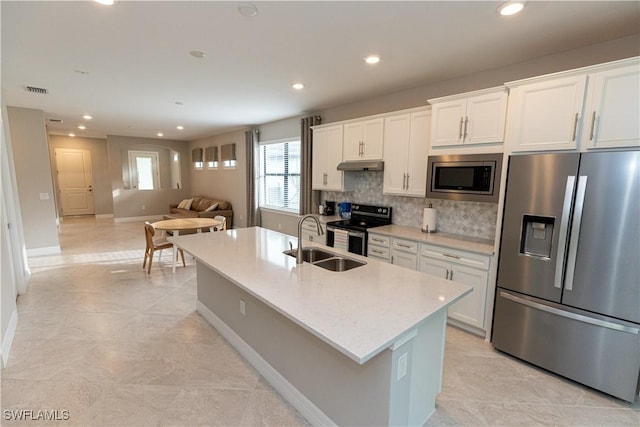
(185, 224)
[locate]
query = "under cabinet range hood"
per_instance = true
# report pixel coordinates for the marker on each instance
(361, 165)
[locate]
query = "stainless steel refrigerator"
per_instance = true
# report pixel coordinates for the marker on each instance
(568, 287)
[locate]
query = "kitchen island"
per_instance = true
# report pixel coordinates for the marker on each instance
(357, 347)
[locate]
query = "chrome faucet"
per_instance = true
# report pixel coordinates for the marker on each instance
(320, 232)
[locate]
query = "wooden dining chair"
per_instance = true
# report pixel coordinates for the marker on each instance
(155, 245)
(224, 222)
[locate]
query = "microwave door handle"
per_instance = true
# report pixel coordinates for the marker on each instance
(575, 232)
(564, 228)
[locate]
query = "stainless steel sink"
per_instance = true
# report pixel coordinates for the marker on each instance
(326, 260)
(339, 264)
(310, 254)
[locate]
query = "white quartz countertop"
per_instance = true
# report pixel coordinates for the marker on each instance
(360, 312)
(455, 241)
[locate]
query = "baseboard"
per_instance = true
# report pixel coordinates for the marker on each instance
(49, 250)
(7, 340)
(308, 409)
(465, 327)
(104, 216)
(139, 218)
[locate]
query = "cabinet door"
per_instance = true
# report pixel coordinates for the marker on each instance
(320, 159)
(434, 267)
(547, 114)
(404, 259)
(334, 158)
(614, 117)
(353, 141)
(397, 131)
(470, 309)
(485, 120)
(372, 137)
(447, 123)
(417, 157)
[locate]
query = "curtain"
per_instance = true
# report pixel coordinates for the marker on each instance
(253, 212)
(307, 197)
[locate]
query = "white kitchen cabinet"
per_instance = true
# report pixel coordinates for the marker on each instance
(327, 154)
(469, 118)
(406, 143)
(546, 114)
(378, 247)
(612, 116)
(310, 233)
(363, 140)
(464, 267)
(404, 253)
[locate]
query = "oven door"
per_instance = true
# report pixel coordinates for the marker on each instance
(357, 240)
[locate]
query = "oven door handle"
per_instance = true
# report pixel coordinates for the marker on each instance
(350, 232)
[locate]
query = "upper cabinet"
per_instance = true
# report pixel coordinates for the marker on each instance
(469, 118)
(545, 115)
(612, 116)
(589, 108)
(406, 142)
(327, 154)
(363, 139)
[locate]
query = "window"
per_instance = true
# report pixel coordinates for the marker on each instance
(279, 180)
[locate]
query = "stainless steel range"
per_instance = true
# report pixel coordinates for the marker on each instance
(351, 234)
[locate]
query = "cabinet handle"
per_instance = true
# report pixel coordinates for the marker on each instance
(324, 178)
(391, 259)
(375, 251)
(575, 127)
(404, 181)
(466, 122)
(460, 131)
(447, 274)
(377, 240)
(451, 256)
(407, 182)
(593, 125)
(403, 246)
(451, 275)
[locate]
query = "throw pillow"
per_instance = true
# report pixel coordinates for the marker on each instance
(213, 207)
(185, 204)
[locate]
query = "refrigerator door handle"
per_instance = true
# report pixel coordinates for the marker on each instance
(575, 232)
(564, 228)
(570, 315)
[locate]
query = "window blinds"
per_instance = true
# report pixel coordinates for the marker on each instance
(211, 154)
(228, 152)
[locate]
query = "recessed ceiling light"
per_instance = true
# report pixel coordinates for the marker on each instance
(72, 135)
(372, 59)
(197, 54)
(179, 103)
(81, 127)
(510, 8)
(247, 9)
(105, 2)
(160, 134)
(297, 86)
(179, 127)
(87, 117)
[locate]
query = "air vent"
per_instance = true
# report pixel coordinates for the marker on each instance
(33, 89)
(55, 120)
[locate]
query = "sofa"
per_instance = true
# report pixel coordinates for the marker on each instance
(201, 207)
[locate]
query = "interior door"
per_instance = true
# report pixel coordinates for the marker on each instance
(75, 181)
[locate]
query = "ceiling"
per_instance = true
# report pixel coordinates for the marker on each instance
(129, 66)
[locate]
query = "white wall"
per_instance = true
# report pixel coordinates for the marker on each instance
(30, 146)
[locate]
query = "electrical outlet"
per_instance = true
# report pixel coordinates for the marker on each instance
(279, 226)
(243, 308)
(44, 196)
(402, 366)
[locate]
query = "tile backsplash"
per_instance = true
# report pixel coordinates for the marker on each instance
(468, 218)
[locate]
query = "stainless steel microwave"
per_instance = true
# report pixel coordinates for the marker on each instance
(468, 177)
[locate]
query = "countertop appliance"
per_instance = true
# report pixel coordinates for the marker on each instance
(351, 234)
(468, 177)
(568, 296)
(329, 208)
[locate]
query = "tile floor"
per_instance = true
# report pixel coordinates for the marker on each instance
(99, 338)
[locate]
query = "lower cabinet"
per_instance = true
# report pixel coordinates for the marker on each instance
(404, 253)
(310, 233)
(378, 247)
(469, 268)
